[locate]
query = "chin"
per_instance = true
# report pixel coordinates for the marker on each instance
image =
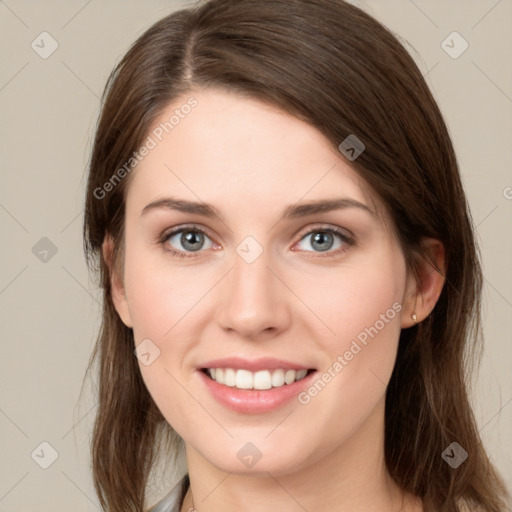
(259, 458)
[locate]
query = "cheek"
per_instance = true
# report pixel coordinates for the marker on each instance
(150, 300)
(362, 293)
(162, 302)
(362, 306)
(159, 294)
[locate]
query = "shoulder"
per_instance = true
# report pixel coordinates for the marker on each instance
(172, 501)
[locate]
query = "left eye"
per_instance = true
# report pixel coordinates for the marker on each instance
(324, 239)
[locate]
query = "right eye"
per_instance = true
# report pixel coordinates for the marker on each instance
(190, 238)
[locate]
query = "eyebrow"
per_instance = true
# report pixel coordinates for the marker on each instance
(292, 211)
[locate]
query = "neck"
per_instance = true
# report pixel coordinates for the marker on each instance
(352, 477)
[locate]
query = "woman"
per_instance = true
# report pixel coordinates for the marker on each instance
(289, 269)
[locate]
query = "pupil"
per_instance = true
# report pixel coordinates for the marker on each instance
(319, 238)
(190, 240)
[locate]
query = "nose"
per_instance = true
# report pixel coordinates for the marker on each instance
(254, 302)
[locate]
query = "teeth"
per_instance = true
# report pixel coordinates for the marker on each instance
(263, 379)
(277, 378)
(300, 374)
(289, 376)
(243, 379)
(229, 377)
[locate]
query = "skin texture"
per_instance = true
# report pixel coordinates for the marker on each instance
(294, 302)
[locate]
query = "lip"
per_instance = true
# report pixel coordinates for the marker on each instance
(264, 363)
(251, 401)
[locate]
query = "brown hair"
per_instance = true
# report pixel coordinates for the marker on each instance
(334, 66)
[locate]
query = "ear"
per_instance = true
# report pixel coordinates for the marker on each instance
(116, 282)
(422, 293)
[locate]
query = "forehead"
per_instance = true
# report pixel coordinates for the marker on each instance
(230, 149)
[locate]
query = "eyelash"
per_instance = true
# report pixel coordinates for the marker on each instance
(346, 239)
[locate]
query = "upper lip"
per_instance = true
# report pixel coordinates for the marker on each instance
(254, 365)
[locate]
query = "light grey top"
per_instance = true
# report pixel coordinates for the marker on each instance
(173, 501)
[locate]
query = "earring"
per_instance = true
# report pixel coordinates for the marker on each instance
(414, 317)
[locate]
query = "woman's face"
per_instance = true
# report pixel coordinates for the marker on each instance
(260, 287)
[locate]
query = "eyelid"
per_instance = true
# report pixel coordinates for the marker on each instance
(183, 227)
(343, 232)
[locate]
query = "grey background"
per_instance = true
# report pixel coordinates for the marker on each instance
(49, 305)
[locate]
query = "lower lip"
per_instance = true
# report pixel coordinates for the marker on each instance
(254, 401)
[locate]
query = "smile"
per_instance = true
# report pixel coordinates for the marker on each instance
(254, 386)
(260, 380)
